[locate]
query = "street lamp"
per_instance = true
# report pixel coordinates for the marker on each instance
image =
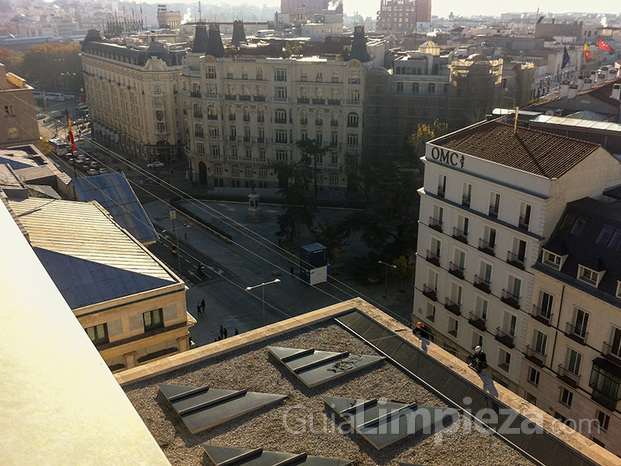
(262, 285)
(392, 266)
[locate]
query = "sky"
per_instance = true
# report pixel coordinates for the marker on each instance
(442, 8)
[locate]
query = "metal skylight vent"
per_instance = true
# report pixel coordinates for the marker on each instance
(203, 408)
(221, 456)
(314, 367)
(383, 423)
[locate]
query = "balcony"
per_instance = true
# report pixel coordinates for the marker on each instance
(334, 101)
(259, 98)
(433, 258)
(535, 356)
(515, 260)
(318, 122)
(303, 100)
(577, 333)
(246, 118)
(504, 338)
(542, 316)
(195, 94)
(334, 122)
(493, 210)
(352, 124)
(435, 224)
(303, 121)
(280, 120)
(453, 307)
(465, 200)
(511, 299)
(197, 115)
(481, 284)
(244, 97)
(232, 117)
(612, 353)
(246, 138)
(260, 119)
(460, 235)
(198, 134)
(319, 101)
(456, 270)
(567, 376)
(430, 293)
(230, 97)
(232, 138)
(523, 222)
(212, 117)
(260, 140)
(486, 247)
(604, 399)
(477, 321)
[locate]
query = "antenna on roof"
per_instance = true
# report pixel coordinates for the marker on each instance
(200, 16)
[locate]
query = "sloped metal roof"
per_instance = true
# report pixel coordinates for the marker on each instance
(89, 258)
(114, 192)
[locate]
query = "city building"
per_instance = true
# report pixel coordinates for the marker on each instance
(573, 341)
(168, 19)
(18, 123)
(245, 111)
(404, 15)
(131, 305)
(133, 97)
(492, 194)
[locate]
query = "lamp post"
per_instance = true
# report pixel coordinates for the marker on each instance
(262, 286)
(392, 266)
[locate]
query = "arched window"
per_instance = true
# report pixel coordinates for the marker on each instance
(352, 120)
(280, 116)
(212, 112)
(304, 117)
(319, 118)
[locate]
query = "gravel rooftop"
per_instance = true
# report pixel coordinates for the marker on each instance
(253, 369)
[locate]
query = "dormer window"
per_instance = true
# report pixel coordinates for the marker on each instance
(589, 276)
(552, 260)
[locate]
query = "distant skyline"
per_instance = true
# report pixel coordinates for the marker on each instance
(442, 8)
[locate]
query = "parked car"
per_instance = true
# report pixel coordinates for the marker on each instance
(94, 164)
(156, 164)
(92, 171)
(40, 116)
(102, 170)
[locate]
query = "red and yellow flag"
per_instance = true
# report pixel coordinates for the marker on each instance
(73, 148)
(587, 54)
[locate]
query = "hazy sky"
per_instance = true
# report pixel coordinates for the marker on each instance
(442, 8)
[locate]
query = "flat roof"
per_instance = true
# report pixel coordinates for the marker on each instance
(544, 154)
(90, 258)
(60, 403)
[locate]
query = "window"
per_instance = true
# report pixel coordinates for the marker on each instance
(161, 127)
(354, 95)
(441, 185)
(466, 194)
(574, 359)
(525, 211)
(319, 76)
(215, 151)
(453, 327)
(259, 74)
(334, 178)
(581, 321)
(211, 72)
(280, 116)
(488, 242)
(576, 229)
(198, 130)
(214, 132)
(352, 140)
(460, 259)
(262, 155)
(485, 272)
(431, 88)
(248, 153)
(280, 74)
(281, 155)
(200, 148)
(457, 292)
(566, 397)
(159, 115)
(533, 376)
(603, 420)
(249, 172)
(481, 306)
(281, 93)
(477, 339)
(263, 173)
(552, 260)
(152, 320)
(588, 275)
(540, 341)
(98, 334)
(352, 120)
(400, 87)
(614, 347)
(281, 135)
(334, 140)
(532, 399)
(217, 169)
(234, 152)
(435, 246)
(415, 88)
(504, 360)
(319, 137)
(546, 301)
(431, 312)
(494, 204)
(605, 382)
(510, 323)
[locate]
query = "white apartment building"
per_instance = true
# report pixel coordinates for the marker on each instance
(491, 195)
(132, 94)
(243, 112)
(573, 343)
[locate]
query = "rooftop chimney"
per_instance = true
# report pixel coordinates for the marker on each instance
(564, 88)
(200, 39)
(580, 83)
(239, 35)
(612, 74)
(601, 78)
(588, 84)
(616, 92)
(359, 45)
(214, 42)
(573, 91)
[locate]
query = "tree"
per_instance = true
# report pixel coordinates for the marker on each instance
(332, 235)
(295, 179)
(53, 66)
(12, 60)
(404, 270)
(312, 150)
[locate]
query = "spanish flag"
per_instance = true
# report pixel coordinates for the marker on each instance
(73, 148)
(587, 54)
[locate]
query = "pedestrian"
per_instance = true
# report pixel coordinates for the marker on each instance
(225, 332)
(279, 242)
(221, 331)
(198, 309)
(291, 271)
(421, 330)
(479, 360)
(236, 332)
(203, 305)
